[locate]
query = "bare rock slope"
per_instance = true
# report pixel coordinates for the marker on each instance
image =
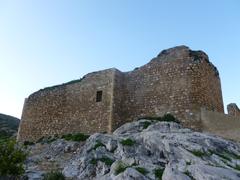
(143, 149)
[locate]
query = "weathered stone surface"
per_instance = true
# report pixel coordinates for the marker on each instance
(233, 109)
(179, 81)
(180, 153)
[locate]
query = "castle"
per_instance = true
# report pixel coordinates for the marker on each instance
(178, 81)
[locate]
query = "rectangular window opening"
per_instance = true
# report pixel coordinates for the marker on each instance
(99, 96)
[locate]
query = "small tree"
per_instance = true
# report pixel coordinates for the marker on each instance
(11, 159)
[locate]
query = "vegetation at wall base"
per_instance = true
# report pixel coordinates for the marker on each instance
(146, 124)
(28, 143)
(12, 158)
(167, 118)
(75, 137)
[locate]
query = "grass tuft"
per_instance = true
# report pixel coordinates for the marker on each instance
(146, 124)
(98, 144)
(237, 167)
(158, 173)
(141, 170)
(104, 159)
(189, 175)
(121, 167)
(198, 153)
(128, 142)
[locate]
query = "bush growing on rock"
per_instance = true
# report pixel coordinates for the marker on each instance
(146, 124)
(158, 173)
(167, 117)
(141, 170)
(98, 144)
(104, 159)
(28, 143)
(54, 176)
(127, 142)
(120, 167)
(12, 158)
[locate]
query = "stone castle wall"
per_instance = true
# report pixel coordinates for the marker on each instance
(69, 108)
(178, 80)
(174, 82)
(221, 124)
(233, 110)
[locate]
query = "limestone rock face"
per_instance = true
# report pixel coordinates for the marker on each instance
(148, 150)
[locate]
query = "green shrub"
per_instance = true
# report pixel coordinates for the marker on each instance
(227, 155)
(151, 118)
(237, 167)
(75, 137)
(121, 167)
(199, 153)
(224, 156)
(12, 158)
(98, 144)
(54, 176)
(128, 142)
(189, 175)
(166, 117)
(146, 124)
(104, 159)
(169, 118)
(141, 170)
(93, 161)
(28, 143)
(158, 173)
(40, 140)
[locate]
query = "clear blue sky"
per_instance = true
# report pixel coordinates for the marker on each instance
(48, 42)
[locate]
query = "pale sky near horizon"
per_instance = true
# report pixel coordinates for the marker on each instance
(49, 42)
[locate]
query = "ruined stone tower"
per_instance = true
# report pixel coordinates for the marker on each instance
(179, 81)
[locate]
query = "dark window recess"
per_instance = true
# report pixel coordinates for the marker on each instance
(99, 96)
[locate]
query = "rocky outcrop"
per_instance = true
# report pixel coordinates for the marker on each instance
(144, 149)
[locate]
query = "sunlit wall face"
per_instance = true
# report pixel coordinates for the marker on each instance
(43, 43)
